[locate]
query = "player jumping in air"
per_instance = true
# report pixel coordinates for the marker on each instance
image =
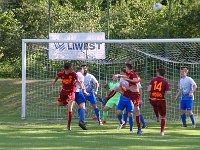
(80, 98)
(157, 88)
(114, 100)
(91, 85)
(187, 89)
(67, 94)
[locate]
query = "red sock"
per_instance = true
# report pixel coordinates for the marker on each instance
(138, 121)
(69, 118)
(163, 124)
(111, 94)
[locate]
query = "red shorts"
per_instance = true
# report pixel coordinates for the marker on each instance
(160, 105)
(134, 96)
(66, 96)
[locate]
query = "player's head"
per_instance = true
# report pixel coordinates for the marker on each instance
(123, 71)
(184, 71)
(161, 72)
(129, 67)
(80, 69)
(68, 67)
(85, 68)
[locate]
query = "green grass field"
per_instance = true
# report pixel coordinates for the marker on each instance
(52, 134)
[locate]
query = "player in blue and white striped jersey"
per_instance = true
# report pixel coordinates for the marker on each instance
(91, 85)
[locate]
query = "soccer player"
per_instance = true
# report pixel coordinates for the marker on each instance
(133, 92)
(67, 93)
(187, 87)
(80, 98)
(114, 100)
(125, 116)
(157, 88)
(91, 85)
(124, 103)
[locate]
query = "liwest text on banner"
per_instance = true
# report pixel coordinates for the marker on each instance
(77, 50)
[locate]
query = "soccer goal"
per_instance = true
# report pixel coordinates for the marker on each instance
(39, 99)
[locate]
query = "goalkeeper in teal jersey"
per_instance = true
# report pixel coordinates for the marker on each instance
(114, 100)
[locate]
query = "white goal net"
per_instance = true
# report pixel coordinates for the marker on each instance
(39, 99)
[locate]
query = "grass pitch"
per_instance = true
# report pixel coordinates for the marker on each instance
(52, 134)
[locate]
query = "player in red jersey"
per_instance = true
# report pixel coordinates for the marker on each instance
(157, 88)
(132, 92)
(67, 94)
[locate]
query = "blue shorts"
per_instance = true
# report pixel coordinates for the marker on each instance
(80, 98)
(186, 104)
(125, 102)
(91, 98)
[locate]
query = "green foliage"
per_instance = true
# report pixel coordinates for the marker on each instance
(128, 19)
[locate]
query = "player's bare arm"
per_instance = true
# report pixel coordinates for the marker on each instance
(56, 79)
(178, 94)
(194, 87)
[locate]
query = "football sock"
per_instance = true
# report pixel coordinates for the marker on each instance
(105, 115)
(110, 95)
(183, 118)
(192, 119)
(131, 123)
(142, 119)
(97, 112)
(69, 118)
(81, 112)
(125, 116)
(163, 124)
(138, 121)
(120, 118)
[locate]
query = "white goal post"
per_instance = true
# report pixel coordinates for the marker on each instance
(39, 99)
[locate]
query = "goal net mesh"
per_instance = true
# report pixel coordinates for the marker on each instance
(41, 98)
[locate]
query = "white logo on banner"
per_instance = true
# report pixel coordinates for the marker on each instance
(77, 51)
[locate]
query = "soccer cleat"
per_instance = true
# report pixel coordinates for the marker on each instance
(104, 122)
(69, 128)
(184, 125)
(120, 126)
(144, 126)
(194, 126)
(139, 131)
(82, 125)
(124, 126)
(162, 133)
(100, 123)
(132, 132)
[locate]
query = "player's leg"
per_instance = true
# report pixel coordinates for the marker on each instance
(62, 98)
(130, 109)
(144, 125)
(162, 111)
(189, 104)
(183, 112)
(105, 113)
(80, 100)
(93, 101)
(120, 108)
(70, 112)
(125, 118)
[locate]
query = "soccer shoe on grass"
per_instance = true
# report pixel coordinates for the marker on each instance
(144, 126)
(184, 125)
(82, 125)
(69, 128)
(100, 123)
(104, 121)
(194, 126)
(139, 131)
(124, 126)
(120, 126)
(162, 133)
